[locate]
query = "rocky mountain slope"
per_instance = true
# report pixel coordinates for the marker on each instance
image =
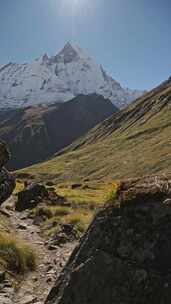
(37, 132)
(124, 257)
(132, 142)
(57, 79)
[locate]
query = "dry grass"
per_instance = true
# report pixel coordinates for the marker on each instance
(4, 223)
(83, 201)
(79, 219)
(15, 255)
(51, 211)
(82, 208)
(19, 186)
(90, 195)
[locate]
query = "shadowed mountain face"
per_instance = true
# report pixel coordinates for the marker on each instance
(35, 133)
(132, 142)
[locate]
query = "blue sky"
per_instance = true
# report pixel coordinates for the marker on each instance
(130, 38)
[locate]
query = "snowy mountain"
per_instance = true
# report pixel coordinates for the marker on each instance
(58, 79)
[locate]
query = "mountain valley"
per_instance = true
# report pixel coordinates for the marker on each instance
(133, 142)
(85, 152)
(44, 224)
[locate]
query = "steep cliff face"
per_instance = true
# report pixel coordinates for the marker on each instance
(124, 257)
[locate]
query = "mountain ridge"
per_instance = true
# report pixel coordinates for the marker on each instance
(132, 142)
(134, 110)
(58, 79)
(37, 132)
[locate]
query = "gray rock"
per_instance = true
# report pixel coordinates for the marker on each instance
(124, 257)
(22, 226)
(167, 202)
(31, 197)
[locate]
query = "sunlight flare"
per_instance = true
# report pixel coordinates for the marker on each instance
(73, 7)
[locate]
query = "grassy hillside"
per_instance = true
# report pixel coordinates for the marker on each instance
(133, 142)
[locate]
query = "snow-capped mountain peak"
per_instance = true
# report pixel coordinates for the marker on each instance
(73, 49)
(59, 78)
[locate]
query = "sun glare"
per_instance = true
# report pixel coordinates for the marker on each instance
(77, 4)
(74, 7)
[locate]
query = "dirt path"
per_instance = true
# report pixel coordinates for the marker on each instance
(36, 285)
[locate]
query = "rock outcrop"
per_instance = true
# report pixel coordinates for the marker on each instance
(7, 181)
(125, 255)
(31, 197)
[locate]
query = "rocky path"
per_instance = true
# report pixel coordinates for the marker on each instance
(36, 285)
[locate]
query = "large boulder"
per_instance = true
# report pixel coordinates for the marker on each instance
(31, 197)
(7, 180)
(125, 255)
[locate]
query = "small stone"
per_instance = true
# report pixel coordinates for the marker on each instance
(49, 184)
(167, 202)
(51, 272)
(52, 247)
(49, 268)
(49, 280)
(7, 284)
(22, 227)
(35, 279)
(29, 300)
